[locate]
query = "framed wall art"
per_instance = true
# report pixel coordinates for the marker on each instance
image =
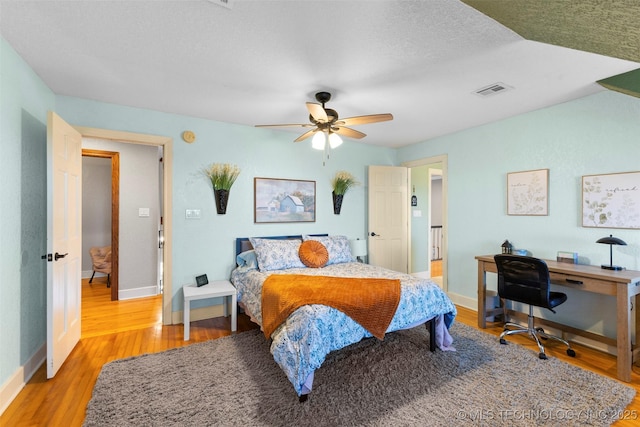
(611, 200)
(284, 200)
(528, 192)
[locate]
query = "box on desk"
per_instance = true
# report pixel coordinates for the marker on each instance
(568, 257)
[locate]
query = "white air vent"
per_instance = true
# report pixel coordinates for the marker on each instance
(225, 3)
(493, 89)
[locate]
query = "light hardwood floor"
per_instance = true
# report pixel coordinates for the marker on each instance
(118, 329)
(436, 268)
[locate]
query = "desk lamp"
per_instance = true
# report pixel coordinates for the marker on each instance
(611, 241)
(358, 248)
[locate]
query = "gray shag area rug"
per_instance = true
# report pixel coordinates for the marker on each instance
(234, 381)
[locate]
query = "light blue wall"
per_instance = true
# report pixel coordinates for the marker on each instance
(420, 225)
(24, 101)
(207, 245)
(598, 134)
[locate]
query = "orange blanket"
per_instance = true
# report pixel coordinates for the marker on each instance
(370, 302)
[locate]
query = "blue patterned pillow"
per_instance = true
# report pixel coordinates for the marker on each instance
(247, 259)
(274, 254)
(338, 247)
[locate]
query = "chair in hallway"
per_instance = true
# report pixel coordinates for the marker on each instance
(101, 262)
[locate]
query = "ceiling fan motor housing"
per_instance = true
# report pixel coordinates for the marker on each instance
(332, 116)
(323, 97)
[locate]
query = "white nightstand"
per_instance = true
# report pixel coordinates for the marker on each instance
(217, 288)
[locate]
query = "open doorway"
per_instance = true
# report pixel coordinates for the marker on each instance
(164, 146)
(436, 230)
(101, 210)
(428, 218)
(134, 231)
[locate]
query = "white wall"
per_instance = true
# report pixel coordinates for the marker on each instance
(96, 207)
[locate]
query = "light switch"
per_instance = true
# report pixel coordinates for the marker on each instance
(143, 212)
(192, 213)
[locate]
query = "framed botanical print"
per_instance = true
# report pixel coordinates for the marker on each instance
(528, 192)
(611, 200)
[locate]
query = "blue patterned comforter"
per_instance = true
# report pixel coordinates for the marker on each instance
(302, 342)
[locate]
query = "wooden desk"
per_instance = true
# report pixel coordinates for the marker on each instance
(624, 285)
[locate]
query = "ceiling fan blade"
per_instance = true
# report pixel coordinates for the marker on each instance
(306, 135)
(361, 120)
(317, 112)
(348, 132)
(304, 125)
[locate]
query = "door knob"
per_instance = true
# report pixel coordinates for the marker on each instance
(57, 256)
(373, 234)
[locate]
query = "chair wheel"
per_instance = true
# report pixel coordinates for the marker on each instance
(542, 356)
(571, 353)
(542, 331)
(503, 341)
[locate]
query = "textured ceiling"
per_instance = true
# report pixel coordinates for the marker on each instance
(606, 27)
(260, 61)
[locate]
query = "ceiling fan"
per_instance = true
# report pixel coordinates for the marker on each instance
(327, 126)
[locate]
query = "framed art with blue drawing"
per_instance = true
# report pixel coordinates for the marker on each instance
(284, 200)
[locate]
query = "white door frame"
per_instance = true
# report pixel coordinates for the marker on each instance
(167, 175)
(445, 182)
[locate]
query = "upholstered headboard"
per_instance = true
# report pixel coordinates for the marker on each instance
(243, 243)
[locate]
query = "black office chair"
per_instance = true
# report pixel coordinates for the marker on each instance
(526, 279)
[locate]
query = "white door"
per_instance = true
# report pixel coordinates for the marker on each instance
(388, 221)
(64, 240)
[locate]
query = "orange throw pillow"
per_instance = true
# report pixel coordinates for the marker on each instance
(313, 254)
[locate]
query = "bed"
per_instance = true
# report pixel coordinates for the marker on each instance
(301, 342)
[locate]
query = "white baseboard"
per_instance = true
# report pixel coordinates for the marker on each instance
(147, 291)
(466, 302)
(10, 389)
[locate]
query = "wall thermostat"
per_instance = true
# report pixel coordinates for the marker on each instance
(202, 280)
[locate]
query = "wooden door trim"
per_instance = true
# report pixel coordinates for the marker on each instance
(115, 213)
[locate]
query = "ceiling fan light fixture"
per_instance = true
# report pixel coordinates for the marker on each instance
(318, 141)
(334, 140)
